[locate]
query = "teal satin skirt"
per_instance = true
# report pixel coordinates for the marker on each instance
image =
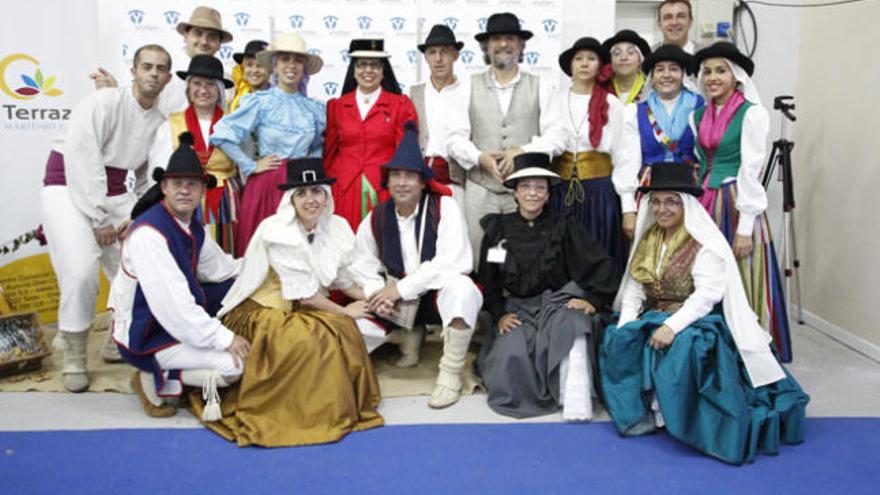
(702, 388)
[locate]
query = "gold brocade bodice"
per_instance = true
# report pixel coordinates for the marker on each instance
(269, 294)
(219, 165)
(675, 284)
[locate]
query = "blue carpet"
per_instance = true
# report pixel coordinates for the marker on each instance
(840, 456)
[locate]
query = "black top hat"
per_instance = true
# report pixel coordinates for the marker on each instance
(205, 66)
(585, 43)
(252, 48)
(305, 172)
(440, 35)
(527, 165)
(503, 23)
(676, 177)
(669, 53)
(725, 49)
(408, 155)
(184, 162)
(630, 36)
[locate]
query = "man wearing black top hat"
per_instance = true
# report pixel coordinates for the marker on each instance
(172, 280)
(418, 240)
(434, 100)
(506, 115)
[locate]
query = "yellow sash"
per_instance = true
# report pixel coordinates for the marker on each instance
(219, 165)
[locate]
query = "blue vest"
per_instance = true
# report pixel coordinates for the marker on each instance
(146, 335)
(653, 150)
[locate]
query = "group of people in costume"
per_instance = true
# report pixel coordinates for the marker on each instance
(607, 238)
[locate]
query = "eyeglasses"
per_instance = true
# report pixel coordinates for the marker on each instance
(368, 64)
(670, 204)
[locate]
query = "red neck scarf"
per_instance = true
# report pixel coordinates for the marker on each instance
(598, 110)
(200, 142)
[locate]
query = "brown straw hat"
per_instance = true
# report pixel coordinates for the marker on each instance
(205, 18)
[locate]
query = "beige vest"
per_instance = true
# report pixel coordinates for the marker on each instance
(417, 95)
(492, 130)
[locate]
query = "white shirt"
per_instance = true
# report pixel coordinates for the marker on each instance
(708, 274)
(173, 97)
(751, 198)
(146, 260)
(465, 152)
(108, 129)
(365, 101)
(453, 254)
(620, 139)
(439, 104)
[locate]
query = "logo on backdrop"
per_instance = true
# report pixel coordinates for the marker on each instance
(241, 19)
(172, 17)
(124, 50)
(330, 22)
(397, 23)
(330, 88)
(550, 25)
(412, 56)
(344, 54)
(467, 56)
(364, 22)
(22, 79)
(26, 78)
(481, 24)
(451, 22)
(532, 57)
(136, 16)
(225, 52)
(296, 21)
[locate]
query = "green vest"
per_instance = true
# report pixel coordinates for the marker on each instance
(727, 159)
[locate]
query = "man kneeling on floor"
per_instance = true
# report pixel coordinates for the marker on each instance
(172, 280)
(418, 241)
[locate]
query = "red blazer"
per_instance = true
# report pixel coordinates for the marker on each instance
(353, 147)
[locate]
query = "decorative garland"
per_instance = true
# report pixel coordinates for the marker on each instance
(14, 244)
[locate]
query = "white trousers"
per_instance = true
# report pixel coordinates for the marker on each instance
(458, 298)
(75, 254)
(480, 202)
(184, 357)
(576, 383)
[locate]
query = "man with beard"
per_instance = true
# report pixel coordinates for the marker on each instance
(85, 201)
(202, 35)
(506, 116)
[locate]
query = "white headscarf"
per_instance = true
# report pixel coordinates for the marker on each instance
(751, 340)
(331, 248)
(744, 82)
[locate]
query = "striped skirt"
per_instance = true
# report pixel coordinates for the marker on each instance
(596, 206)
(760, 271)
(219, 213)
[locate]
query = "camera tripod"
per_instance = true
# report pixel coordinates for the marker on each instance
(781, 155)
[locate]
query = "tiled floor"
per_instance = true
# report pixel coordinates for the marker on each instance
(840, 381)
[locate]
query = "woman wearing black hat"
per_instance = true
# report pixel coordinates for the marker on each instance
(628, 50)
(287, 124)
(664, 116)
(308, 378)
(543, 280)
(249, 75)
(205, 87)
(364, 127)
(599, 163)
(673, 361)
(731, 135)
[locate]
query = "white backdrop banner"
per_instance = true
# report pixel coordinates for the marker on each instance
(45, 60)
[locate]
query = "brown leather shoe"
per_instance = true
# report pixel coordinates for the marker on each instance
(152, 410)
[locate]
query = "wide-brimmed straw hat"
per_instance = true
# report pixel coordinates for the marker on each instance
(205, 18)
(291, 43)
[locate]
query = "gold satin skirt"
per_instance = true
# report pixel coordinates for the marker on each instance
(308, 380)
